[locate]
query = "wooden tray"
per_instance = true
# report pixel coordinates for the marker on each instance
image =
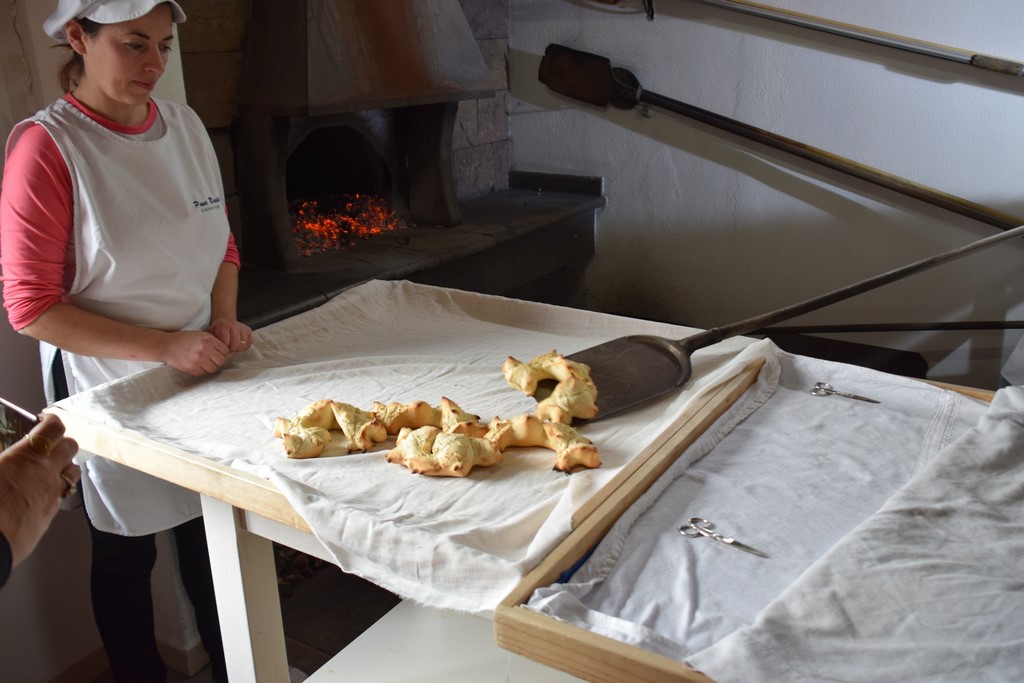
(576, 650)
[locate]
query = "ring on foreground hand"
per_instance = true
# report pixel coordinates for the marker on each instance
(71, 489)
(40, 444)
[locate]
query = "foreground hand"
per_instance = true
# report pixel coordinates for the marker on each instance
(235, 335)
(34, 474)
(196, 353)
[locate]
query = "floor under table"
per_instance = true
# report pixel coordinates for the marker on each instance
(323, 611)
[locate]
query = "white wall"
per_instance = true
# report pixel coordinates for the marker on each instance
(47, 625)
(706, 229)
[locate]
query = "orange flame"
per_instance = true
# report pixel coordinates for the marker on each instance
(335, 225)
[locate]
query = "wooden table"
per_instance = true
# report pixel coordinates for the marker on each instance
(245, 514)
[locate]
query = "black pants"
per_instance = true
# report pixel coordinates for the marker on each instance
(122, 600)
(122, 597)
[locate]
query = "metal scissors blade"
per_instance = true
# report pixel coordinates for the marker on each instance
(824, 389)
(698, 526)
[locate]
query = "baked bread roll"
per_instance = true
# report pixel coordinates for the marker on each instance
(361, 428)
(317, 414)
(524, 431)
(574, 395)
(572, 450)
(550, 365)
(455, 420)
(309, 433)
(413, 445)
(305, 442)
(570, 399)
(458, 454)
(414, 414)
(431, 452)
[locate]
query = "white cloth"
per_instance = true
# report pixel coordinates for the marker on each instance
(784, 471)
(452, 543)
(149, 237)
(931, 588)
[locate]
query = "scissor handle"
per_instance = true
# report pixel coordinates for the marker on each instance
(698, 526)
(822, 389)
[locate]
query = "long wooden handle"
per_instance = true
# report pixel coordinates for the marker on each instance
(981, 61)
(591, 78)
(924, 193)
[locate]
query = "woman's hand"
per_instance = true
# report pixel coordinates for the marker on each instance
(34, 473)
(200, 353)
(235, 335)
(195, 352)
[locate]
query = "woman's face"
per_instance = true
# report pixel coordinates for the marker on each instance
(123, 62)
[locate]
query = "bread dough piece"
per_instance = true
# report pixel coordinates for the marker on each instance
(574, 395)
(282, 425)
(414, 414)
(455, 420)
(317, 414)
(431, 452)
(361, 428)
(305, 442)
(571, 398)
(457, 454)
(524, 431)
(413, 445)
(550, 365)
(308, 434)
(572, 450)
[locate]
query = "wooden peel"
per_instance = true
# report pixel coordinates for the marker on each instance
(591, 78)
(632, 370)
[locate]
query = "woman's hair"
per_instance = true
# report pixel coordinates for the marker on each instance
(71, 71)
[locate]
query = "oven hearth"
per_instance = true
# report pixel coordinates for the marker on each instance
(531, 242)
(350, 97)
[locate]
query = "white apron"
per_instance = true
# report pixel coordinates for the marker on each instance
(149, 236)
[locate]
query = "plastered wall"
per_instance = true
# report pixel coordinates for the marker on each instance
(703, 228)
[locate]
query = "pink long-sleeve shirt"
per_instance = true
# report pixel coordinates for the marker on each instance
(37, 221)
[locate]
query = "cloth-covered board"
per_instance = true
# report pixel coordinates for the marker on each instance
(458, 543)
(892, 535)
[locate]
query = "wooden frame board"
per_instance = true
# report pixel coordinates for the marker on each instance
(576, 650)
(196, 472)
(589, 655)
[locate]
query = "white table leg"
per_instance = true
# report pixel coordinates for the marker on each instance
(245, 581)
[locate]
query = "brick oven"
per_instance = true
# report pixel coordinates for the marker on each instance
(349, 97)
(404, 101)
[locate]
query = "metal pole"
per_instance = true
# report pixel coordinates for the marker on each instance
(980, 61)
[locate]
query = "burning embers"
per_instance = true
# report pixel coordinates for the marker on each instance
(330, 224)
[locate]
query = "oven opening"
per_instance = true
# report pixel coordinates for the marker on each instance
(339, 192)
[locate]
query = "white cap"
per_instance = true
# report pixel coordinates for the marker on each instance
(103, 12)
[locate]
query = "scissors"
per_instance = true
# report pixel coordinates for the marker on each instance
(698, 526)
(823, 389)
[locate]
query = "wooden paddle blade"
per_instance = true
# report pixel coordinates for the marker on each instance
(586, 77)
(629, 372)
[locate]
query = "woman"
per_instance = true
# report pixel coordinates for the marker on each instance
(117, 257)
